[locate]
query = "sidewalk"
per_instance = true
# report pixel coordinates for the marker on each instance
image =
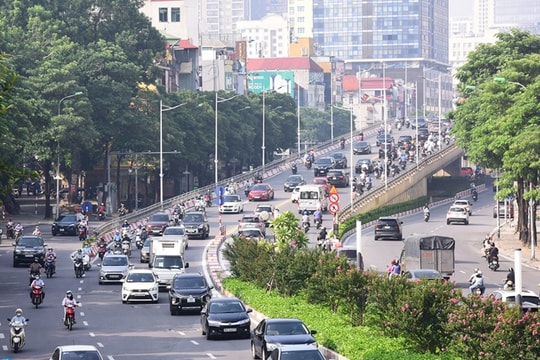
(509, 241)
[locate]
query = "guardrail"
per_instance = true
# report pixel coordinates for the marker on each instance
(361, 203)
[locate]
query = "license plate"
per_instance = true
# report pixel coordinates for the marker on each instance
(115, 276)
(387, 227)
(29, 255)
(191, 300)
(229, 330)
(190, 231)
(61, 230)
(139, 294)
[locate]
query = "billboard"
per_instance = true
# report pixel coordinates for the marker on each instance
(278, 81)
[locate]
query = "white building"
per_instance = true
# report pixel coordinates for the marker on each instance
(174, 17)
(266, 38)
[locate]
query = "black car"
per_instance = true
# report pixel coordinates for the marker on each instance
(388, 228)
(292, 182)
(196, 224)
(322, 165)
(27, 248)
(384, 139)
(388, 147)
(423, 134)
(338, 178)
(188, 291)
(225, 317)
(422, 123)
(273, 332)
(359, 164)
(340, 161)
(66, 224)
(361, 147)
(404, 140)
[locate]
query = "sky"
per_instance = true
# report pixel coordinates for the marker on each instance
(460, 7)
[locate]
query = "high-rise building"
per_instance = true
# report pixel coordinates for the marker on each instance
(256, 9)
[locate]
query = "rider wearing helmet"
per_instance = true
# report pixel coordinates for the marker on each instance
(18, 318)
(125, 224)
(68, 300)
(35, 269)
(36, 231)
(38, 282)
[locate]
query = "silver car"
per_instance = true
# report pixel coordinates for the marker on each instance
(145, 251)
(113, 268)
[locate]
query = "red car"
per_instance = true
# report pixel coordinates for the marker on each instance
(322, 181)
(261, 192)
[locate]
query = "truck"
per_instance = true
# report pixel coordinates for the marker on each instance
(422, 251)
(167, 259)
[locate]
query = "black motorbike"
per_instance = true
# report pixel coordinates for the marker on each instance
(294, 169)
(493, 263)
(101, 216)
(306, 226)
(78, 266)
(475, 195)
(426, 216)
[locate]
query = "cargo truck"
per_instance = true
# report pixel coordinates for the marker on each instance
(422, 251)
(167, 259)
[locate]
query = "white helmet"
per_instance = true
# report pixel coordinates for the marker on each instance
(19, 311)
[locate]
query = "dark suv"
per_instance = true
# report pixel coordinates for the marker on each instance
(66, 224)
(338, 178)
(28, 247)
(196, 224)
(389, 228)
(188, 291)
(322, 165)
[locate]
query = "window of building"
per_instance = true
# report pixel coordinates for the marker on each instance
(175, 14)
(301, 30)
(163, 12)
(301, 19)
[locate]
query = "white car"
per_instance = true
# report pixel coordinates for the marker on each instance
(265, 212)
(232, 204)
(140, 285)
(68, 352)
(295, 194)
(529, 300)
(464, 203)
(457, 214)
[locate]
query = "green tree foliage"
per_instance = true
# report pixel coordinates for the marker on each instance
(496, 114)
(287, 232)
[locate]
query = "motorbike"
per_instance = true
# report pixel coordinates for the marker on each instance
(308, 164)
(294, 169)
(403, 164)
(69, 319)
(102, 249)
(17, 234)
(475, 195)
(318, 223)
(200, 205)
(17, 335)
(407, 123)
(342, 144)
(82, 233)
(176, 218)
(140, 239)
(9, 232)
(246, 191)
(36, 295)
(494, 263)
(377, 173)
(208, 200)
(306, 226)
(101, 216)
(49, 267)
(78, 266)
(126, 247)
(426, 216)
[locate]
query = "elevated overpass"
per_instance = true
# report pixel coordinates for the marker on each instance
(408, 185)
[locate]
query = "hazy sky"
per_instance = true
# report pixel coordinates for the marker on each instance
(460, 7)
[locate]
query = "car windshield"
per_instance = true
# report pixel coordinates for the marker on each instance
(231, 198)
(524, 299)
(189, 282)
(324, 161)
(140, 277)
(319, 181)
(262, 208)
(283, 328)
(82, 354)
(361, 144)
(226, 307)
(159, 218)
(67, 218)
(168, 262)
(302, 354)
(294, 178)
(174, 231)
(193, 218)
(390, 222)
(337, 156)
(250, 233)
(115, 261)
(259, 187)
(250, 219)
(334, 173)
(457, 209)
(30, 241)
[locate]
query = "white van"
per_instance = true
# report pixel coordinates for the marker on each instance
(310, 196)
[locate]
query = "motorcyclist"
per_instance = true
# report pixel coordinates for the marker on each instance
(322, 234)
(493, 253)
(368, 181)
(51, 255)
(35, 270)
(125, 224)
(122, 210)
(38, 282)
(19, 229)
(68, 300)
(317, 216)
(486, 245)
(36, 231)
(305, 218)
(477, 282)
(18, 318)
(117, 236)
(9, 229)
(510, 280)
(426, 210)
(342, 142)
(78, 257)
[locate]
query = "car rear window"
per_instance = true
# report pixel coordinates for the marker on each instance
(457, 209)
(334, 173)
(391, 222)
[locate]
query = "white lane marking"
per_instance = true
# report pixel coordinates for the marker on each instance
(194, 342)
(4, 347)
(1, 336)
(81, 281)
(78, 296)
(79, 289)
(92, 334)
(210, 356)
(110, 357)
(99, 344)
(181, 333)
(85, 323)
(81, 313)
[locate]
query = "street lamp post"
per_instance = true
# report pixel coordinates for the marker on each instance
(263, 147)
(298, 115)
(162, 109)
(439, 140)
(385, 128)
(57, 177)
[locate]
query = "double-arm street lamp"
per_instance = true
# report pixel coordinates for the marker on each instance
(57, 177)
(162, 109)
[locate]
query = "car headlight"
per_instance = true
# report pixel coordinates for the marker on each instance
(213, 323)
(271, 346)
(242, 322)
(154, 288)
(124, 288)
(201, 226)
